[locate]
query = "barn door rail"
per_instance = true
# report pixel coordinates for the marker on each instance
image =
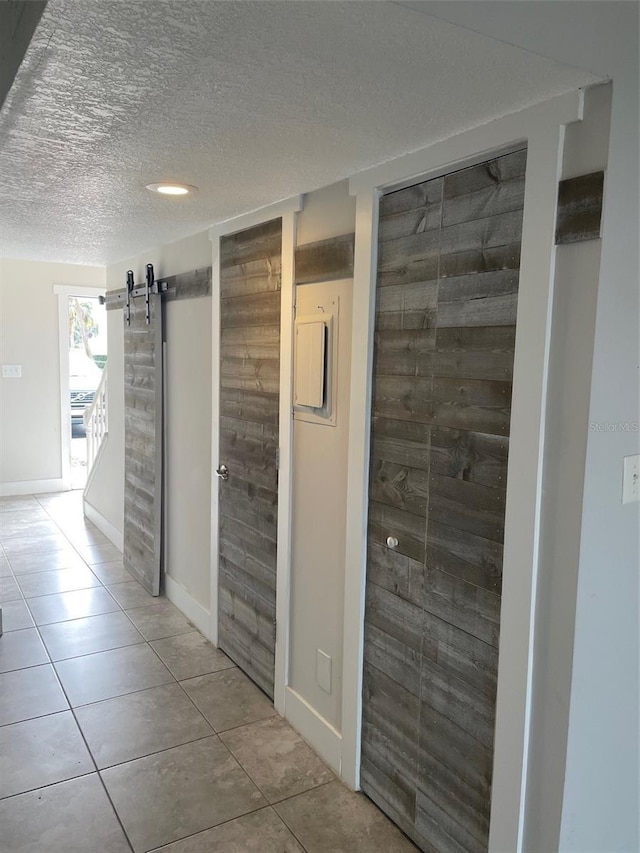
(136, 291)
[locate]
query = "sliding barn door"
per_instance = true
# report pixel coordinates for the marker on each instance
(143, 443)
(249, 410)
(449, 254)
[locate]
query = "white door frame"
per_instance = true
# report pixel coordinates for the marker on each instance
(64, 292)
(542, 129)
(286, 210)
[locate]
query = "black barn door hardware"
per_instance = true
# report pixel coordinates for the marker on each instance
(133, 291)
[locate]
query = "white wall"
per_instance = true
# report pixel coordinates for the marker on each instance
(570, 362)
(319, 497)
(30, 417)
(188, 406)
(600, 804)
(318, 518)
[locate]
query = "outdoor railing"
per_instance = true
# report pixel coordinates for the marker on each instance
(95, 421)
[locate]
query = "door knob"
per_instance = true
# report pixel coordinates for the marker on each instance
(223, 472)
(392, 542)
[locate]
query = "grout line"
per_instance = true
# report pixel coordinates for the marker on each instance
(47, 785)
(174, 680)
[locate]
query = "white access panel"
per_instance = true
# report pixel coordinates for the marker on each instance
(309, 378)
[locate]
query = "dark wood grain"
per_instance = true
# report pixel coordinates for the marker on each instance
(486, 175)
(469, 557)
(325, 260)
(473, 610)
(580, 208)
(250, 278)
(446, 309)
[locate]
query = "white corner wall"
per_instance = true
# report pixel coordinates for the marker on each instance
(320, 480)
(570, 361)
(30, 417)
(188, 427)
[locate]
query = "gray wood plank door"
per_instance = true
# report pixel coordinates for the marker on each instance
(449, 254)
(143, 394)
(249, 409)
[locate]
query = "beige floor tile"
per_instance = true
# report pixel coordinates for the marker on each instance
(138, 724)
(61, 580)
(18, 528)
(19, 649)
(176, 793)
(160, 620)
(334, 818)
(40, 752)
(71, 605)
(104, 553)
(29, 693)
(46, 561)
(109, 573)
(87, 636)
(189, 655)
(69, 817)
(104, 675)
(229, 699)
(9, 590)
(130, 594)
(277, 758)
(258, 832)
(22, 503)
(31, 545)
(16, 615)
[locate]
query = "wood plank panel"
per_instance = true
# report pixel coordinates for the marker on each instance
(259, 276)
(142, 553)
(250, 272)
(580, 208)
(449, 255)
(325, 260)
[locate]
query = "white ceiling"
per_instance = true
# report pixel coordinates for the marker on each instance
(250, 101)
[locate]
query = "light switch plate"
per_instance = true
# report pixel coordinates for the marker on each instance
(323, 670)
(631, 479)
(11, 371)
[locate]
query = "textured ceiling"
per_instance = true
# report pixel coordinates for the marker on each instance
(250, 101)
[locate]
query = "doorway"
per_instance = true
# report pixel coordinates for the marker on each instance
(82, 323)
(448, 274)
(87, 361)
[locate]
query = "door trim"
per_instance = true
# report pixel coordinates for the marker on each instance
(541, 128)
(64, 292)
(286, 210)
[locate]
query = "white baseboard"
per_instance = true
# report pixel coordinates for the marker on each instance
(322, 736)
(33, 487)
(184, 601)
(104, 525)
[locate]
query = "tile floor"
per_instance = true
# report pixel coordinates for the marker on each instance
(122, 729)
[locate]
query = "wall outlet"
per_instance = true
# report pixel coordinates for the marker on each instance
(11, 371)
(631, 479)
(323, 670)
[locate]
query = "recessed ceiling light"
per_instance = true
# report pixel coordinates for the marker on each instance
(167, 188)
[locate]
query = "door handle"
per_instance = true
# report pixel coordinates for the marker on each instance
(223, 472)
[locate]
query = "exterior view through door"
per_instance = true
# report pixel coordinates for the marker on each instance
(87, 362)
(448, 268)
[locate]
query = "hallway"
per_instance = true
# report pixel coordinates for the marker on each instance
(122, 728)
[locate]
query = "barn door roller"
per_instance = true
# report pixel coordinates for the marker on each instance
(150, 286)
